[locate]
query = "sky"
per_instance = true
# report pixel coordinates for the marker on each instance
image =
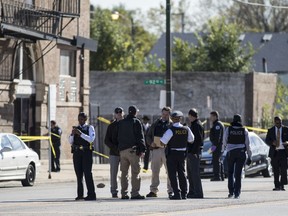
(144, 5)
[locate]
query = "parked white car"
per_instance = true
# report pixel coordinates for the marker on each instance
(17, 161)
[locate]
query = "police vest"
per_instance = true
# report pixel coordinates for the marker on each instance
(55, 139)
(236, 135)
(179, 138)
(79, 140)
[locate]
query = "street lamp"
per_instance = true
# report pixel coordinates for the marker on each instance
(168, 55)
(115, 16)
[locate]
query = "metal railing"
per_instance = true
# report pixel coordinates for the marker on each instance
(29, 17)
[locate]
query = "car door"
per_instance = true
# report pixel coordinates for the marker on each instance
(21, 154)
(8, 164)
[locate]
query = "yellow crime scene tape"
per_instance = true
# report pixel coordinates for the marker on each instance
(35, 138)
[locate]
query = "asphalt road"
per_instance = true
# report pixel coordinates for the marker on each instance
(257, 198)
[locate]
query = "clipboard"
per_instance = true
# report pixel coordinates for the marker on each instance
(158, 142)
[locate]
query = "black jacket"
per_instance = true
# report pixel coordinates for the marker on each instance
(271, 137)
(216, 134)
(198, 131)
(111, 140)
(130, 132)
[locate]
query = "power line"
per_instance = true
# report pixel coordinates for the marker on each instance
(261, 5)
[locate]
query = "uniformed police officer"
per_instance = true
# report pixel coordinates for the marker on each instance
(236, 142)
(56, 142)
(81, 139)
(216, 137)
(176, 139)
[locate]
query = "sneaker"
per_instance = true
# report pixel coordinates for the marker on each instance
(170, 194)
(282, 188)
(276, 189)
(145, 170)
(138, 197)
(183, 196)
(151, 194)
(236, 197)
(79, 198)
(230, 196)
(125, 197)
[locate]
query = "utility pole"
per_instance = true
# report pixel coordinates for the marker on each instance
(168, 55)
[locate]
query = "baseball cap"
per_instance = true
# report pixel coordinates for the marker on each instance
(133, 110)
(118, 110)
(176, 113)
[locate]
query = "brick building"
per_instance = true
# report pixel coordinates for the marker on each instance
(43, 43)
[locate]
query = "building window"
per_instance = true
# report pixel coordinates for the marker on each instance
(67, 63)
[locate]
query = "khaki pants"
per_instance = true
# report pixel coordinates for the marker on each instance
(158, 158)
(127, 159)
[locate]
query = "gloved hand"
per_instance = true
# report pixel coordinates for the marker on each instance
(248, 161)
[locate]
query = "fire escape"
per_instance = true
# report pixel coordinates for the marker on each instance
(24, 21)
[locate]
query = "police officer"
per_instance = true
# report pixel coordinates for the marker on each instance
(112, 143)
(81, 139)
(158, 156)
(236, 142)
(56, 142)
(176, 139)
(193, 156)
(216, 137)
(131, 144)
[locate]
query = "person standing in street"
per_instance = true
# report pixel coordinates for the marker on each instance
(216, 138)
(236, 143)
(81, 139)
(193, 156)
(56, 133)
(277, 139)
(176, 139)
(114, 157)
(158, 156)
(146, 125)
(131, 144)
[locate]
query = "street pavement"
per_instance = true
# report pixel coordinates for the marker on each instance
(55, 196)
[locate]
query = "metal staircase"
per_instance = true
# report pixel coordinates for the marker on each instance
(26, 21)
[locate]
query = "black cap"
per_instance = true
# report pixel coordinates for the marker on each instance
(118, 110)
(237, 118)
(133, 110)
(145, 117)
(176, 114)
(193, 112)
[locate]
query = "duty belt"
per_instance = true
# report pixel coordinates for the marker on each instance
(82, 148)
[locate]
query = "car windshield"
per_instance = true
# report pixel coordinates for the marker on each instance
(207, 144)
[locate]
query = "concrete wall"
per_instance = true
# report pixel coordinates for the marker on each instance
(229, 92)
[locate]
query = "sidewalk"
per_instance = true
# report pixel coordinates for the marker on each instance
(101, 173)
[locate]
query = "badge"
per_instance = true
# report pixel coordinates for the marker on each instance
(217, 127)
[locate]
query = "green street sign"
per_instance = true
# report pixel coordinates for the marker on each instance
(154, 82)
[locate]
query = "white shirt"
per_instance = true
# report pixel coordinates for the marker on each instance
(281, 143)
(168, 135)
(89, 138)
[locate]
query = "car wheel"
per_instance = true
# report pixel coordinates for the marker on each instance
(268, 172)
(30, 176)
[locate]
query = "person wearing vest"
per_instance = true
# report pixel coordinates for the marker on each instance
(175, 139)
(277, 139)
(56, 142)
(146, 125)
(216, 138)
(131, 144)
(158, 156)
(236, 143)
(193, 156)
(114, 156)
(81, 139)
